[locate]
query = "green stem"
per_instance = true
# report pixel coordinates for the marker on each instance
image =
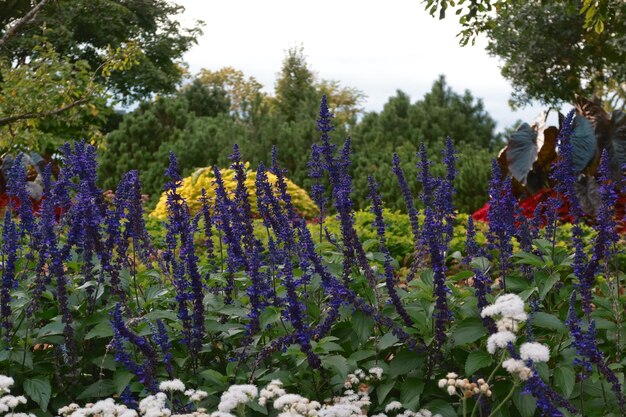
(493, 413)
(475, 408)
(464, 406)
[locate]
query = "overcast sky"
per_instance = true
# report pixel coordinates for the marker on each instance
(375, 46)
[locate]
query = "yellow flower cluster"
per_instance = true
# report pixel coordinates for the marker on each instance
(191, 191)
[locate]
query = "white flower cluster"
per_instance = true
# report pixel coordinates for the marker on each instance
(6, 382)
(360, 376)
(273, 390)
(10, 402)
(154, 406)
(510, 308)
(235, 395)
(171, 386)
(294, 405)
(151, 406)
(196, 395)
(354, 402)
(463, 387)
(103, 408)
(518, 368)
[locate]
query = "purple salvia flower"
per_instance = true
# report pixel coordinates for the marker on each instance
(235, 258)
(390, 280)
(413, 215)
(316, 173)
(186, 276)
(146, 372)
(501, 216)
(10, 243)
(408, 199)
(208, 233)
(46, 239)
(162, 340)
(424, 177)
(16, 189)
(442, 314)
(481, 281)
(444, 195)
(547, 398)
(586, 345)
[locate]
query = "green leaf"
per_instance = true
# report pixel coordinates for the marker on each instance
(441, 407)
(548, 321)
(468, 331)
(215, 378)
(476, 360)
(404, 362)
(362, 324)
(99, 389)
(38, 390)
(547, 285)
(383, 390)
(337, 363)
(525, 403)
(103, 329)
(564, 380)
(386, 341)
(269, 316)
(410, 393)
(526, 258)
(121, 379)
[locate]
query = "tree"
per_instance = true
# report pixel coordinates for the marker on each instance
(295, 93)
(82, 30)
(548, 56)
(47, 97)
(62, 62)
(403, 125)
(551, 50)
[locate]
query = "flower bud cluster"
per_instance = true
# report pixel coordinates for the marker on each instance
(360, 376)
(453, 384)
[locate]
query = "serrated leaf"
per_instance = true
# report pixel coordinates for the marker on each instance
(547, 285)
(103, 329)
(121, 379)
(548, 321)
(468, 331)
(336, 363)
(38, 390)
(410, 393)
(362, 325)
(476, 360)
(99, 389)
(386, 341)
(383, 390)
(404, 362)
(564, 380)
(441, 407)
(525, 403)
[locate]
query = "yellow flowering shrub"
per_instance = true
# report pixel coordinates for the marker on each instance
(191, 191)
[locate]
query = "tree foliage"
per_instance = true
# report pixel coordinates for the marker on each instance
(551, 50)
(63, 63)
(82, 30)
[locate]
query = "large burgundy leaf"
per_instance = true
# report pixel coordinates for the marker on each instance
(521, 152)
(583, 143)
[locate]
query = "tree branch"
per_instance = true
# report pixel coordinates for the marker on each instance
(36, 115)
(27, 18)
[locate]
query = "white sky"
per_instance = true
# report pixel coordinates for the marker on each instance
(375, 46)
